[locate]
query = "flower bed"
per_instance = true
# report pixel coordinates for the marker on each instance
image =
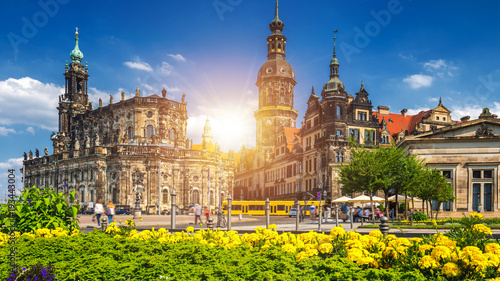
(123, 253)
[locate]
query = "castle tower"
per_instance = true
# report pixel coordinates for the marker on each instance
(276, 82)
(75, 99)
(334, 100)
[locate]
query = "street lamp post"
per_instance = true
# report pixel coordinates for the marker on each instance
(137, 178)
(219, 214)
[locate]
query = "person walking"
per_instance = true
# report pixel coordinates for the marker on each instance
(480, 208)
(197, 214)
(207, 214)
(312, 211)
(301, 214)
(110, 211)
(98, 210)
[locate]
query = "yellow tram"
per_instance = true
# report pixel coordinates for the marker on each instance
(257, 208)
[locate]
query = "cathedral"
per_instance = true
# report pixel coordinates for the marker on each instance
(131, 149)
(290, 163)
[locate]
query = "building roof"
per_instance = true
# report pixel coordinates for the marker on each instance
(398, 122)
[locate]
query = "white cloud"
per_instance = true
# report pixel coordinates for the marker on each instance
(165, 68)
(177, 57)
(419, 80)
(13, 163)
(435, 64)
(460, 110)
(30, 130)
(5, 131)
(30, 102)
(138, 64)
(417, 110)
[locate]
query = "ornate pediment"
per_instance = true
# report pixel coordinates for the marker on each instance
(484, 131)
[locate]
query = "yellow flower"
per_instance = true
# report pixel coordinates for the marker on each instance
(492, 248)
(289, 248)
(441, 253)
(376, 233)
(271, 226)
(337, 232)
(424, 248)
(476, 215)
(190, 229)
(301, 256)
(141, 219)
(481, 228)
(451, 269)
(427, 262)
(325, 248)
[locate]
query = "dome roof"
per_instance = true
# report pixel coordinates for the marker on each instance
(76, 55)
(334, 84)
(276, 68)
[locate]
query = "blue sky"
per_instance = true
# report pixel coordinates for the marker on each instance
(408, 53)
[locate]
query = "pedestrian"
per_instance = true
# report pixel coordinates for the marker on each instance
(480, 208)
(301, 214)
(197, 214)
(207, 214)
(110, 211)
(312, 211)
(98, 210)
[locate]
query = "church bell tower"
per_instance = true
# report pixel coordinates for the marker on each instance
(75, 99)
(276, 82)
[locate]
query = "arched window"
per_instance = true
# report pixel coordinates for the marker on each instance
(164, 196)
(150, 131)
(171, 134)
(195, 197)
(339, 114)
(130, 133)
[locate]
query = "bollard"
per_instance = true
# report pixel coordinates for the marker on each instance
(240, 216)
(384, 225)
(104, 223)
(336, 215)
(172, 209)
(319, 217)
(350, 217)
(411, 221)
(210, 223)
(297, 215)
(267, 213)
(229, 200)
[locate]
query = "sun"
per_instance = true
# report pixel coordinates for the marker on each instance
(233, 128)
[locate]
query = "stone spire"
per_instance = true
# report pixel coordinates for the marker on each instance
(207, 134)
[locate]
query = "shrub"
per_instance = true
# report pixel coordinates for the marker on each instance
(419, 216)
(41, 208)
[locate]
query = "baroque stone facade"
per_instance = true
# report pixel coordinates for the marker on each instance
(97, 151)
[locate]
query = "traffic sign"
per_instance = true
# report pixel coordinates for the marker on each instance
(319, 196)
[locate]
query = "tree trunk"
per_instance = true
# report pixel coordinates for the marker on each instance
(437, 211)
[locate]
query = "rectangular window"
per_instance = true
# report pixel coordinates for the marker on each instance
(476, 174)
(354, 133)
(447, 174)
(488, 174)
(339, 132)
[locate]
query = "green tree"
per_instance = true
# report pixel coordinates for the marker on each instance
(431, 185)
(41, 208)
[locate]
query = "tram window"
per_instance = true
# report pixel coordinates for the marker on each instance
(236, 207)
(256, 207)
(281, 207)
